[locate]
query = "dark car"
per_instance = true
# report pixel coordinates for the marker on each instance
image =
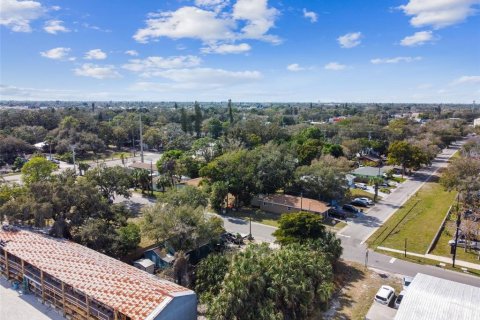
(350, 209)
(359, 203)
(337, 213)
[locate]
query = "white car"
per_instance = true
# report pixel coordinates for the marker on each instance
(368, 201)
(406, 282)
(385, 295)
(399, 299)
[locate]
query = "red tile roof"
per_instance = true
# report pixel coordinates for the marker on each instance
(118, 285)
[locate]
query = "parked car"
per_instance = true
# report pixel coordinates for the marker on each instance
(368, 201)
(337, 213)
(362, 186)
(385, 295)
(406, 282)
(461, 243)
(358, 202)
(399, 299)
(351, 209)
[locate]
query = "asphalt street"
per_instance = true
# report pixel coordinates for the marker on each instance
(148, 156)
(358, 230)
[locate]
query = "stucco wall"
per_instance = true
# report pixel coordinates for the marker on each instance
(180, 308)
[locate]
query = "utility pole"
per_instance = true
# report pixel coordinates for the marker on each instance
(454, 249)
(151, 173)
(141, 139)
(301, 201)
(73, 156)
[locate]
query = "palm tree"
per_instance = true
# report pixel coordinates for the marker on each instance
(376, 182)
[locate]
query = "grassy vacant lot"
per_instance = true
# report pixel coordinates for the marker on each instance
(357, 287)
(417, 220)
(443, 249)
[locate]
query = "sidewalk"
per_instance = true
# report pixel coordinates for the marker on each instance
(465, 264)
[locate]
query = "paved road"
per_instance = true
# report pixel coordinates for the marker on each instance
(17, 178)
(358, 229)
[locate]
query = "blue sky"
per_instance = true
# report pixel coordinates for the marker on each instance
(246, 50)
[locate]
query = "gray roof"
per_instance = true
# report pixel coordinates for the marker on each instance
(146, 263)
(429, 298)
(371, 171)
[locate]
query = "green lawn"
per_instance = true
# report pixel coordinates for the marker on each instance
(443, 249)
(417, 220)
(356, 193)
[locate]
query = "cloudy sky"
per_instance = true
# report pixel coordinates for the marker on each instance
(246, 50)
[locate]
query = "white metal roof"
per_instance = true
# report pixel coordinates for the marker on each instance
(429, 298)
(146, 263)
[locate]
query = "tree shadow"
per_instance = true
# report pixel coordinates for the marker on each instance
(346, 276)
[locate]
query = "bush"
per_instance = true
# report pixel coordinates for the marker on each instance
(385, 190)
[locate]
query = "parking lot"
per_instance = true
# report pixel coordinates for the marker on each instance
(380, 312)
(14, 305)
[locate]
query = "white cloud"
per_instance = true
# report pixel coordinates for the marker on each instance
(55, 26)
(350, 40)
(395, 60)
(59, 53)
(253, 16)
(186, 22)
(259, 19)
(417, 39)
(467, 80)
(310, 15)
(227, 48)
(295, 67)
(95, 54)
(154, 66)
(17, 15)
(335, 66)
(438, 13)
(199, 78)
(55, 8)
(96, 71)
(132, 53)
(216, 5)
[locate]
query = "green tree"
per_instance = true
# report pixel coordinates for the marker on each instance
(198, 119)
(184, 120)
(275, 168)
(237, 170)
(37, 169)
(188, 195)
(111, 181)
(405, 154)
(128, 238)
(215, 128)
(209, 275)
(325, 178)
(230, 111)
(153, 137)
(184, 227)
(299, 227)
(376, 181)
(289, 283)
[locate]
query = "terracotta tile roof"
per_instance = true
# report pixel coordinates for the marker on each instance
(118, 285)
(296, 202)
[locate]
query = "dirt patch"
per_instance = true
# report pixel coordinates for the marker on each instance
(357, 287)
